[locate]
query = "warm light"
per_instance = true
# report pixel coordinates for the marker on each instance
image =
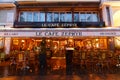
(96, 39)
(23, 41)
(55, 47)
(116, 18)
(70, 40)
(48, 40)
(118, 42)
(97, 45)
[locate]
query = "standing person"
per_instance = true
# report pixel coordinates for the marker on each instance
(42, 57)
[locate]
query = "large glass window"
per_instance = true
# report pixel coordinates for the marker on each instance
(49, 17)
(62, 17)
(68, 17)
(88, 17)
(42, 17)
(82, 17)
(35, 17)
(22, 16)
(76, 17)
(56, 17)
(95, 17)
(29, 17)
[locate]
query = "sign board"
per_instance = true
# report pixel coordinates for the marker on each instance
(57, 32)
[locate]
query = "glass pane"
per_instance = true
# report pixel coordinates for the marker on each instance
(76, 17)
(89, 17)
(82, 17)
(49, 17)
(29, 17)
(42, 17)
(35, 17)
(22, 16)
(68, 17)
(95, 17)
(56, 17)
(62, 17)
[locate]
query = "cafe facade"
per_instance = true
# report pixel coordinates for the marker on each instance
(83, 27)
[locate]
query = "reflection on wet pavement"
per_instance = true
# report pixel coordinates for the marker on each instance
(65, 77)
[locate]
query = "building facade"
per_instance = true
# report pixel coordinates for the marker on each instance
(85, 26)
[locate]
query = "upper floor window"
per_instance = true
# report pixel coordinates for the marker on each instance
(29, 17)
(56, 17)
(36, 16)
(59, 17)
(76, 17)
(42, 17)
(88, 17)
(49, 17)
(22, 16)
(68, 17)
(62, 17)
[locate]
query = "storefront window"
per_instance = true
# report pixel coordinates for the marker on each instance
(49, 17)
(42, 17)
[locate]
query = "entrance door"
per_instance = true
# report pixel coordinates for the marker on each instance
(57, 48)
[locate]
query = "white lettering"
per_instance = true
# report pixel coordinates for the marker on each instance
(51, 34)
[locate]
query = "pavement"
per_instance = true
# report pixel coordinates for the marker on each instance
(65, 77)
(7, 74)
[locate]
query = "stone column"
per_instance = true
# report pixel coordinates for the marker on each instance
(7, 45)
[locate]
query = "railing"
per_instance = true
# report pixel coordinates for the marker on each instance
(58, 24)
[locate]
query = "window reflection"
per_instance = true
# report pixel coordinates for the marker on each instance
(59, 17)
(68, 17)
(35, 16)
(22, 16)
(95, 17)
(56, 17)
(76, 17)
(49, 17)
(88, 17)
(29, 16)
(82, 17)
(62, 17)
(42, 17)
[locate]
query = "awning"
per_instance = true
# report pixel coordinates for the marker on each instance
(59, 32)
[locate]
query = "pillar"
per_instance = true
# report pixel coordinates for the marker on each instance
(7, 44)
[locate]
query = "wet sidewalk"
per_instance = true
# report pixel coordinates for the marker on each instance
(6, 74)
(66, 77)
